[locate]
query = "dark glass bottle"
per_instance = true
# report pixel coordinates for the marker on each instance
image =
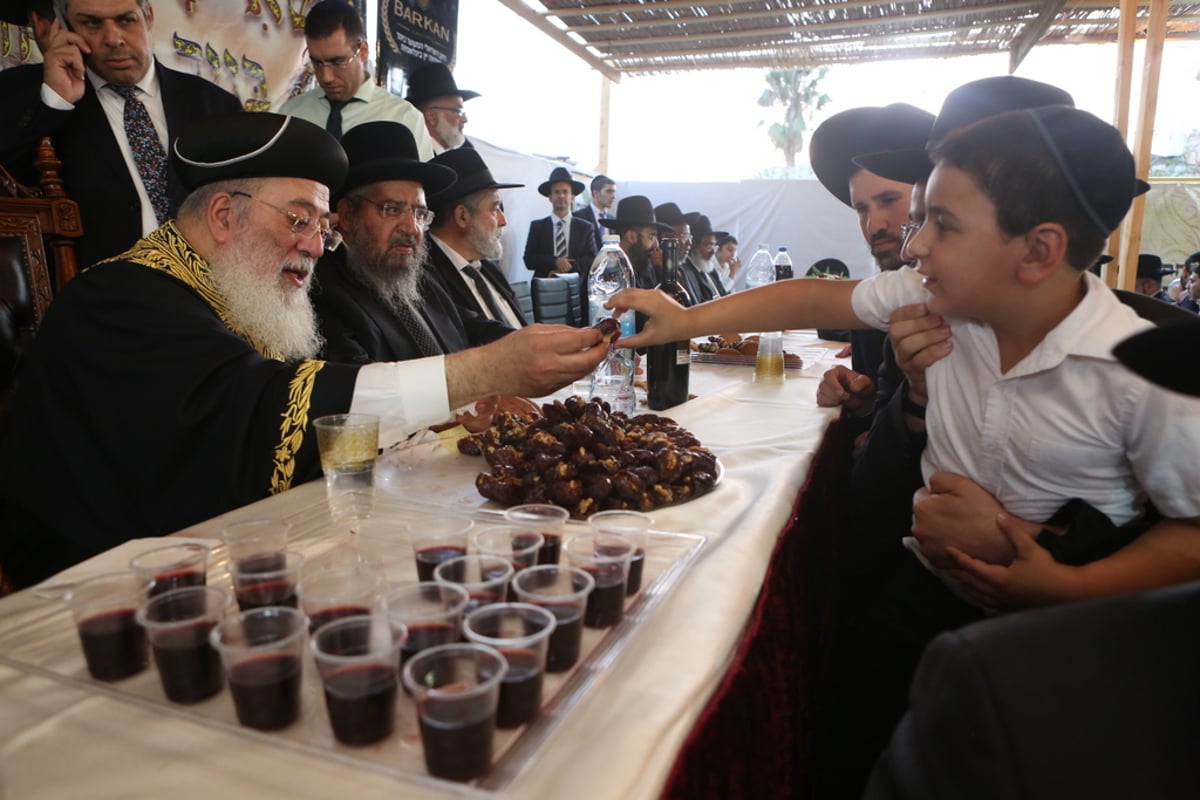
(667, 365)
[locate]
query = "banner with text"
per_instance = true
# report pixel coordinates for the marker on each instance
(413, 32)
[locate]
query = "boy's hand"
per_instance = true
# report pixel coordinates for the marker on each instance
(919, 340)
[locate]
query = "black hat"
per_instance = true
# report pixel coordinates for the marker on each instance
(387, 151)
(560, 175)
(1151, 266)
(634, 212)
(1094, 160)
(262, 145)
(431, 81)
(669, 214)
(1154, 354)
(703, 227)
(967, 104)
(473, 176)
(868, 129)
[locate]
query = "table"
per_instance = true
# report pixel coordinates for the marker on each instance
(620, 742)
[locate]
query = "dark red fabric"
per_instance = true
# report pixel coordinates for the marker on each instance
(752, 740)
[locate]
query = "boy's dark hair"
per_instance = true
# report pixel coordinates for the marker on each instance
(600, 181)
(1008, 158)
(329, 16)
(726, 239)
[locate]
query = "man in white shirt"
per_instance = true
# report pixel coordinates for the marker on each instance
(603, 205)
(346, 95)
(432, 89)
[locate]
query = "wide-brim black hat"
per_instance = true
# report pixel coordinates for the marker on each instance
(1151, 266)
(634, 211)
(869, 129)
(262, 145)
(964, 106)
(670, 214)
(386, 151)
(703, 227)
(1154, 354)
(560, 175)
(473, 176)
(431, 81)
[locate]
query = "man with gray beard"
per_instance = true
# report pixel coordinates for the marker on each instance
(175, 382)
(374, 298)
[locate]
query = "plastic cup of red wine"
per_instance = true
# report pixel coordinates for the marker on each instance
(518, 545)
(430, 612)
(438, 539)
(178, 624)
(336, 593)
(358, 662)
(521, 632)
(605, 556)
(543, 518)
(456, 688)
(266, 579)
(173, 566)
(261, 652)
(384, 545)
(255, 537)
(484, 577)
(563, 591)
(105, 610)
(634, 525)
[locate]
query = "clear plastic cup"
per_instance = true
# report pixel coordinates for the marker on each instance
(105, 610)
(262, 651)
(349, 445)
(384, 545)
(518, 545)
(606, 557)
(266, 579)
(563, 591)
(173, 566)
(456, 688)
(431, 613)
(546, 519)
(438, 539)
(484, 577)
(178, 624)
(358, 663)
(634, 525)
(255, 537)
(521, 633)
(335, 593)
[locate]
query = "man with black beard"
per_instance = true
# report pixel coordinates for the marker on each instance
(375, 299)
(639, 230)
(467, 232)
(176, 382)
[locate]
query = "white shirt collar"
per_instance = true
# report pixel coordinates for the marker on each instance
(148, 84)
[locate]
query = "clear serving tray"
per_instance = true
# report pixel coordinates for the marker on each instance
(42, 640)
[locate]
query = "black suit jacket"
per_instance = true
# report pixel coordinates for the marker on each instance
(453, 282)
(589, 214)
(693, 281)
(94, 172)
(1095, 700)
(360, 328)
(539, 247)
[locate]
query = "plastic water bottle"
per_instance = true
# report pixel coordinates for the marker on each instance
(783, 265)
(611, 273)
(761, 269)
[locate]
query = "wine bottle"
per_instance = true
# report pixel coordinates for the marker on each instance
(667, 365)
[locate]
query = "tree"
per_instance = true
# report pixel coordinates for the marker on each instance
(796, 90)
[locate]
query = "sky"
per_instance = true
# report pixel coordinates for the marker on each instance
(539, 98)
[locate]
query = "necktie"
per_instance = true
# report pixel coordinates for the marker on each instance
(416, 327)
(560, 239)
(485, 291)
(148, 154)
(714, 280)
(333, 123)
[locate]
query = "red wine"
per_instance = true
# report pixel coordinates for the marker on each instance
(175, 580)
(114, 645)
(562, 651)
(634, 582)
(262, 562)
(668, 364)
(425, 635)
(551, 549)
(189, 667)
(326, 615)
(605, 606)
(521, 688)
(361, 701)
(266, 593)
(459, 753)
(266, 691)
(429, 557)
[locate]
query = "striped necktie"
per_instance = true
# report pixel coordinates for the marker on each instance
(560, 238)
(148, 154)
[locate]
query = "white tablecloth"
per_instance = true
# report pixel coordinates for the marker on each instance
(59, 741)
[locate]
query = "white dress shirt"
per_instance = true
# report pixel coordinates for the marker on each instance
(405, 395)
(372, 104)
(1067, 421)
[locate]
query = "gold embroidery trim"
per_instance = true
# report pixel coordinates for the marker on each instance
(293, 424)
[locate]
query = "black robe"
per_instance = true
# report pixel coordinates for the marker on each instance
(141, 412)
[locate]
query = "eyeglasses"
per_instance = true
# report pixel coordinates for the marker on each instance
(388, 209)
(455, 110)
(337, 64)
(303, 226)
(908, 229)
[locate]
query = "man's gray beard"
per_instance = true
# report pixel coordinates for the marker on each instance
(281, 321)
(488, 245)
(449, 133)
(396, 285)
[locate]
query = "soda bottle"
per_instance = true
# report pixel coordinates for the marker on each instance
(783, 265)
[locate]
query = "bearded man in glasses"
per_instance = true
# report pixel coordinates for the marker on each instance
(346, 95)
(176, 382)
